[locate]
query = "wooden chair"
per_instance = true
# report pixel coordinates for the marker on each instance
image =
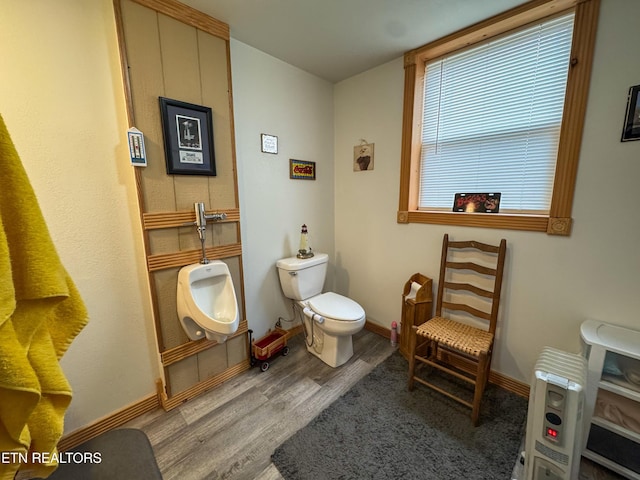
(469, 290)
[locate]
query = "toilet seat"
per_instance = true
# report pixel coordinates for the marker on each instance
(337, 307)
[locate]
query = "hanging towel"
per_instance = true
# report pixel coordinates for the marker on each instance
(41, 312)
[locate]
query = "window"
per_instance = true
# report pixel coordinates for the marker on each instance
(499, 107)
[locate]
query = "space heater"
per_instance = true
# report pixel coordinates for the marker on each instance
(553, 439)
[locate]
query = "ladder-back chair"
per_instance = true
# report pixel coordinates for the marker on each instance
(470, 291)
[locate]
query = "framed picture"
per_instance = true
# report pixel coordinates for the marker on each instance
(631, 130)
(302, 170)
(188, 138)
(363, 157)
(269, 143)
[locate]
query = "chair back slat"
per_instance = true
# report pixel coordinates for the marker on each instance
(463, 307)
(472, 266)
(471, 288)
(477, 245)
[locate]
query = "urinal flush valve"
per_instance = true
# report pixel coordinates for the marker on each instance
(201, 225)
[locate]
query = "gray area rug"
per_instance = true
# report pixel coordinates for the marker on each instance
(380, 430)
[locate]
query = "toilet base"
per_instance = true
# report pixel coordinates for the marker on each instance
(332, 350)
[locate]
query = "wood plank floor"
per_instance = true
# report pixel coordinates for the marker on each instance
(231, 431)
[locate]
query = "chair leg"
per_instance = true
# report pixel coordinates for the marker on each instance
(413, 340)
(481, 381)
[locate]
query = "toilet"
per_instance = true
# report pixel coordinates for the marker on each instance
(206, 301)
(330, 320)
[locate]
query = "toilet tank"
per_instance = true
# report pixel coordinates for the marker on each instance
(302, 278)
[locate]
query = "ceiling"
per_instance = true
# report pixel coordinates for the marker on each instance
(336, 39)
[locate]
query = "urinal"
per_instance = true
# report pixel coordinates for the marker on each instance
(207, 304)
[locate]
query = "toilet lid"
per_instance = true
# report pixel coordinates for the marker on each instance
(336, 306)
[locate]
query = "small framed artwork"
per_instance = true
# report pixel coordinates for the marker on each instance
(302, 170)
(363, 157)
(269, 143)
(476, 202)
(137, 151)
(631, 130)
(188, 138)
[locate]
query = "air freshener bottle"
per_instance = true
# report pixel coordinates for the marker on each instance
(394, 334)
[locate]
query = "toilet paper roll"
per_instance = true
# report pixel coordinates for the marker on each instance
(414, 290)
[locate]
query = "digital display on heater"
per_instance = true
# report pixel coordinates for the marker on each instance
(552, 433)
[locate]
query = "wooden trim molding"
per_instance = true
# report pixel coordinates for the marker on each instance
(534, 223)
(161, 261)
(558, 221)
(109, 422)
(188, 15)
(377, 329)
(184, 218)
(175, 354)
(575, 107)
(559, 226)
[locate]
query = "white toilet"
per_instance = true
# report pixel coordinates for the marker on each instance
(330, 319)
(207, 304)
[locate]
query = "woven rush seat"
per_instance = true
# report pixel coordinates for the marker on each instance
(462, 337)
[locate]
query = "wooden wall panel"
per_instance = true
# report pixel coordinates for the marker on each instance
(188, 239)
(237, 351)
(179, 50)
(166, 287)
(182, 375)
(235, 267)
(215, 89)
(144, 57)
(181, 73)
(169, 55)
(212, 362)
(166, 240)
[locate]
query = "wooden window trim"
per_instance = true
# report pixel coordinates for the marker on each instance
(558, 221)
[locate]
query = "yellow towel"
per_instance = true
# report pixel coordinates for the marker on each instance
(41, 312)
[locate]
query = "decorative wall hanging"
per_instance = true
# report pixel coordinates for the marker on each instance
(302, 170)
(363, 156)
(631, 130)
(137, 152)
(188, 138)
(476, 202)
(269, 143)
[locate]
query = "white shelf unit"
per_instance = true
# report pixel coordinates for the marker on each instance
(611, 444)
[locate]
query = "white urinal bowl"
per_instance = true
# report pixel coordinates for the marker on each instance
(206, 301)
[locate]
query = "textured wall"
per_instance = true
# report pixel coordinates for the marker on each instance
(61, 96)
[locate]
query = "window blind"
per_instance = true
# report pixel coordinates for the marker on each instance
(492, 116)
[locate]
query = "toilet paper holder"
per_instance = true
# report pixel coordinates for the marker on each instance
(417, 307)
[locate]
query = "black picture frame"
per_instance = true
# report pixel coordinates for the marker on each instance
(188, 138)
(631, 130)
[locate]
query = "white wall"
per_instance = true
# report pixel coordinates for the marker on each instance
(552, 283)
(270, 96)
(61, 97)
